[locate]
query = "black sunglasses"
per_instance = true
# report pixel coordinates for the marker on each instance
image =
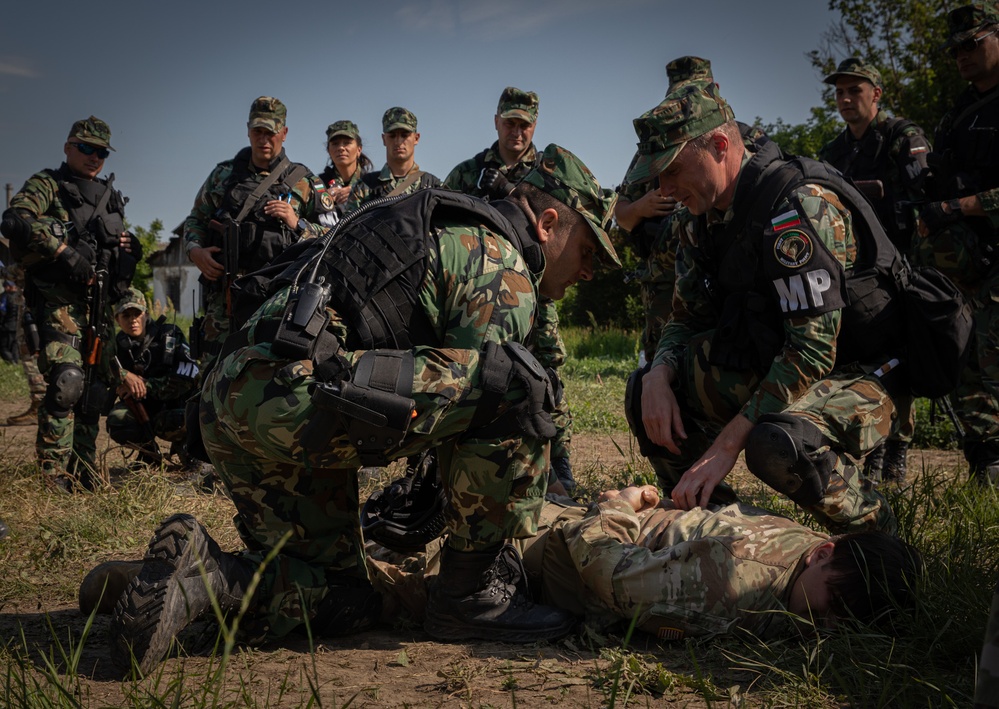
(86, 149)
(968, 45)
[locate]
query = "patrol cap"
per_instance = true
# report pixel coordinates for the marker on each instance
(347, 128)
(398, 118)
(966, 21)
(564, 176)
(133, 298)
(514, 103)
(691, 110)
(685, 69)
(92, 131)
(268, 113)
(855, 66)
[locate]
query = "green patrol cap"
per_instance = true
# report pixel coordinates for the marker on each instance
(397, 118)
(967, 21)
(855, 66)
(514, 103)
(691, 110)
(686, 69)
(268, 113)
(564, 176)
(346, 128)
(133, 298)
(92, 131)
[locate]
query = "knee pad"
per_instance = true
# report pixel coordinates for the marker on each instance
(780, 451)
(66, 382)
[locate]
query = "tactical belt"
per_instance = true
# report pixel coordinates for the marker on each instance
(50, 334)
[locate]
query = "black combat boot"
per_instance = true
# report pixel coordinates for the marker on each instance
(874, 463)
(105, 584)
(893, 469)
(350, 606)
(169, 591)
(483, 595)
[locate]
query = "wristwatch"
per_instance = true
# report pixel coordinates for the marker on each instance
(301, 227)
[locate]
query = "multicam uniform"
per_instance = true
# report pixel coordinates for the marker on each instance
(256, 406)
(772, 344)
(372, 186)
(163, 359)
(221, 198)
(465, 175)
(697, 573)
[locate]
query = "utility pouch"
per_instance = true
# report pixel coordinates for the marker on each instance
(304, 318)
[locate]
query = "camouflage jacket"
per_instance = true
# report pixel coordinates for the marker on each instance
(465, 175)
(811, 216)
(162, 358)
(304, 196)
(894, 151)
(362, 192)
(331, 177)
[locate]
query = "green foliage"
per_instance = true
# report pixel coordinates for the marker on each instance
(149, 238)
(933, 427)
(804, 138)
(611, 299)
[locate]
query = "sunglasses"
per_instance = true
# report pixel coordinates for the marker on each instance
(968, 45)
(88, 150)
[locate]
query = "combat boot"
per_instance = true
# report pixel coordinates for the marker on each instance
(170, 591)
(105, 584)
(893, 470)
(483, 595)
(874, 462)
(350, 606)
(25, 418)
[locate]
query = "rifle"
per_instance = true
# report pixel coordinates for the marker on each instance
(229, 237)
(874, 190)
(948, 408)
(94, 336)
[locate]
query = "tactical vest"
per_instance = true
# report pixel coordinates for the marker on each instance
(261, 237)
(737, 255)
(870, 159)
(375, 267)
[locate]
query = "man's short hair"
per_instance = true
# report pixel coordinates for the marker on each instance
(873, 577)
(729, 128)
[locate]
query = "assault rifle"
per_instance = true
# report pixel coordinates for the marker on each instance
(94, 336)
(228, 240)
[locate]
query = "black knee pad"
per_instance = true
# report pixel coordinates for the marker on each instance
(633, 413)
(66, 382)
(781, 452)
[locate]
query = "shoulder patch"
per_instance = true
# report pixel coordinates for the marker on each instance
(785, 220)
(793, 248)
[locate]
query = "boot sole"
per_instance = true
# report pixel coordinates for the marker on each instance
(157, 603)
(448, 629)
(105, 584)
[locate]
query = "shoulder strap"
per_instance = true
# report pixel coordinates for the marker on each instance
(405, 184)
(265, 185)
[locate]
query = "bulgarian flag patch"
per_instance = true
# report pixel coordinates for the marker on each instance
(786, 220)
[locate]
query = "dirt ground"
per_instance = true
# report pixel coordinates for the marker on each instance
(384, 667)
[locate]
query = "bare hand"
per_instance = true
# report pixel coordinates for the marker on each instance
(133, 386)
(699, 482)
(654, 205)
(279, 209)
(125, 241)
(660, 410)
(340, 194)
(640, 498)
(203, 258)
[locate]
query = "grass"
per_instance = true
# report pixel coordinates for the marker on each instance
(48, 659)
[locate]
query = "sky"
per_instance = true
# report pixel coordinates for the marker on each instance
(175, 80)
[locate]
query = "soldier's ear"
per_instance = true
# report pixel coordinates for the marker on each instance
(546, 224)
(820, 553)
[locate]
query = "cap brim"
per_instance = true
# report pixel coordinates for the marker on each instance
(339, 133)
(607, 253)
(648, 167)
(399, 126)
(271, 125)
(956, 39)
(94, 141)
(517, 113)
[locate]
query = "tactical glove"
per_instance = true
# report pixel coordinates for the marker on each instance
(78, 268)
(495, 183)
(936, 219)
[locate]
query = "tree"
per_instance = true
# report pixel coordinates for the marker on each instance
(149, 238)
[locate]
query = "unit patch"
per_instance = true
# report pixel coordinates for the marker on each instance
(793, 249)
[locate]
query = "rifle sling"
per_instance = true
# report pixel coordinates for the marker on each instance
(405, 184)
(265, 185)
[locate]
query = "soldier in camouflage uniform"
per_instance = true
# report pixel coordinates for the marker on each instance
(347, 161)
(29, 359)
(959, 228)
(987, 689)
(66, 227)
(887, 159)
(770, 359)
(158, 377)
(492, 174)
(288, 419)
(400, 175)
(258, 203)
(683, 574)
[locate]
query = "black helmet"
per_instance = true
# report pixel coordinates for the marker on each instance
(408, 514)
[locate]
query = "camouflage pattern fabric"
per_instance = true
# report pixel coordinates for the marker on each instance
(546, 344)
(29, 360)
(987, 688)
(256, 406)
(361, 192)
(465, 175)
(699, 573)
(853, 409)
(70, 443)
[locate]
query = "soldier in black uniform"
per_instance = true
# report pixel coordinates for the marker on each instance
(67, 229)
(886, 158)
(158, 376)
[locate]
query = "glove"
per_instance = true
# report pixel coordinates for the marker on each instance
(78, 268)
(935, 218)
(494, 183)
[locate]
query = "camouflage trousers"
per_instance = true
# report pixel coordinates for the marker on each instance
(214, 324)
(304, 503)
(851, 409)
(29, 359)
(166, 421)
(69, 444)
